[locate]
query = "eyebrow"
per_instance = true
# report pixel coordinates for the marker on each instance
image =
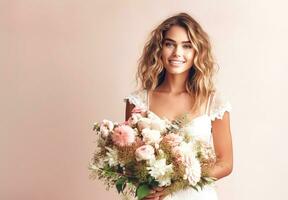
(168, 39)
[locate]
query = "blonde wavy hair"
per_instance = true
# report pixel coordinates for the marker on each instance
(151, 72)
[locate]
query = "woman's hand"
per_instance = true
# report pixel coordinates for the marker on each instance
(157, 193)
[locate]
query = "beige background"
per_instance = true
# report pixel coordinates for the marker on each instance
(67, 63)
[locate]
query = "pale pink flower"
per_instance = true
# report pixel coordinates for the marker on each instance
(123, 135)
(152, 137)
(173, 139)
(145, 152)
(176, 151)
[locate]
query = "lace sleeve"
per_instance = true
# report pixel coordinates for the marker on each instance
(219, 106)
(137, 98)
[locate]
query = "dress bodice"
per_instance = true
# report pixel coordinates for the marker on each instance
(199, 126)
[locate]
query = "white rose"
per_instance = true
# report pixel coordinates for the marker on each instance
(144, 123)
(158, 124)
(134, 118)
(151, 136)
(145, 152)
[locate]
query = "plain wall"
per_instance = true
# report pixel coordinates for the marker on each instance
(65, 64)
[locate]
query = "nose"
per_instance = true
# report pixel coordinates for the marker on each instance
(178, 51)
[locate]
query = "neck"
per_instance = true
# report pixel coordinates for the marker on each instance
(174, 83)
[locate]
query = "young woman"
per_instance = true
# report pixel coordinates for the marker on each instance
(176, 75)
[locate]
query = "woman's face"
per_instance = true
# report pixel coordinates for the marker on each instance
(177, 51)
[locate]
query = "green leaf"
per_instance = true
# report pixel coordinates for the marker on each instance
(209, 179)
(195, 188)
(95, 126)
(142, 191)
(120, 184)
(201, 185)
(152, 182)
(132, 179)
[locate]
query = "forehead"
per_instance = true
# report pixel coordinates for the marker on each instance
(177, 33)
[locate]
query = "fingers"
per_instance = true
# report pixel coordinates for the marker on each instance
(158, 189)
(161, 192)
(154, 195)
(152, 198)
(162, 197)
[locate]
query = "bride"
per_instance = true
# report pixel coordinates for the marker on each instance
(176, 74)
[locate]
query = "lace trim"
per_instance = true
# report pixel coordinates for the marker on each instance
(218, 113)
(219, 104)
(137, 99)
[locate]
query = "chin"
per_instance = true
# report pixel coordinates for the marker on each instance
(180, 70)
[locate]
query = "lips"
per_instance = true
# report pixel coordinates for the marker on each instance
(176, 62)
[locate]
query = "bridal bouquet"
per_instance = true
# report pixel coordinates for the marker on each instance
(146, 152)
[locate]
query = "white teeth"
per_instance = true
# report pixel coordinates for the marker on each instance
(176, 62)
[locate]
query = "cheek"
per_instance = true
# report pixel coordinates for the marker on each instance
(165, 53)
(190, 55)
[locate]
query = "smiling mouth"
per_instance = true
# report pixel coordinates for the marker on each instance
(176, 62)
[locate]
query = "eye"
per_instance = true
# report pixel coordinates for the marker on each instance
(169, 44)
(187, 46)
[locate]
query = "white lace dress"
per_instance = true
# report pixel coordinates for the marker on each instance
(200, 127)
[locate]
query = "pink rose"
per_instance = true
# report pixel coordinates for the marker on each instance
(145, 152)
(176, 151)
(172, 139)
(123, 135)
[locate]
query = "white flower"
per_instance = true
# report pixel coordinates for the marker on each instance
(188, 132)
(158, 124)
(111, 157)
(185, 148)
(145, 152)
(151, 136)
(105, 127)
(192, 170)
(144, 123)
(135, 117)
(160, 171)
(93, 166)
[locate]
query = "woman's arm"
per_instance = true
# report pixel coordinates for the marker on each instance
(129, 108)
(223, 147)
